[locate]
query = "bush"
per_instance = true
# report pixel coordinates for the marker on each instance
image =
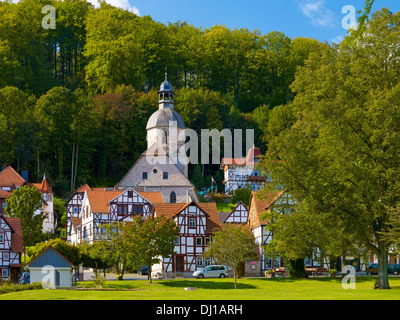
(7, 288)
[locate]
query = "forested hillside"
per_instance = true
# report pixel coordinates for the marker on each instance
(74, 101)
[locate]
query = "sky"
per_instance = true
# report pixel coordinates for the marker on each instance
(319, 19)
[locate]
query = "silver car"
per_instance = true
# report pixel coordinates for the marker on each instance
(211, 272)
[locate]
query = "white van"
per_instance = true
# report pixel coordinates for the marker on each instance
(215, 271)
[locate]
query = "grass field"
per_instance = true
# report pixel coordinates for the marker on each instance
(222, 289)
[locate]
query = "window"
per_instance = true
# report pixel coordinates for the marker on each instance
(192, 222)
(199, 262)
(207, 261)
(144, 175)
(199, 242)
(155, 171)
(6, 256)
(177, 240)
(50, 197)
(172, 197)
(207, 241)
(165, 175)
(1, 237)
(6, 189)
(130, 194)
(4, 273)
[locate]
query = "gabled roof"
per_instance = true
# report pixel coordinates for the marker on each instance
(252, 154)
(153, 197)
(261, 202)
(43, 187)
(50, 256)
(16, 234)
(170, 210)
(9, 177)
(99, 199)
(223, 216)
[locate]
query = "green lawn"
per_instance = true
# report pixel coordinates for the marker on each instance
(222, 289)
(225, 207)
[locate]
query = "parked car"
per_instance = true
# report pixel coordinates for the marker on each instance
(216, 271)
(393, 268)
(144, 270)
(372, 269)
(25, 278)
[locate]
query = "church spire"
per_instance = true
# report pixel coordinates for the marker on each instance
(166, 94)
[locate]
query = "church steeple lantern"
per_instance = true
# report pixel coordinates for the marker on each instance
(166, 95)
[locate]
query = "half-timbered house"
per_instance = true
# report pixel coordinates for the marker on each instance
(238, 215)
(10, 180)
(11, 247)
(241, 172)
(260, 204)
(196, 222)
(102, 207)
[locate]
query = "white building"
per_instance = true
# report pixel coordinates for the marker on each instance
(241, 172)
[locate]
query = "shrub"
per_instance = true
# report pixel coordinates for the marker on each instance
(7, 288)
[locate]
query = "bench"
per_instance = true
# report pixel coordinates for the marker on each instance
(317, 271)
(281, 272)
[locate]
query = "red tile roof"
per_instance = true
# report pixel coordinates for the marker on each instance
(248, 161)
(170, 210)
(43, 187)
(9, 177)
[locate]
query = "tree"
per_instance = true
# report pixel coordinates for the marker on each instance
(243, 195)
(115, 252)
(147, 241)
(69, 251)
(341, 155)
(232, 245)
(24, 204)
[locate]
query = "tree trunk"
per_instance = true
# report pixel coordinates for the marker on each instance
(382, 254)
(296, 269)
(235, 276)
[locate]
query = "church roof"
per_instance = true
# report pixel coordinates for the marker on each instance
(162, 118)
(166, 86)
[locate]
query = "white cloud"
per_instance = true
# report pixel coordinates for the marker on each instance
(337, 39)
(124, 4)
(317, 12)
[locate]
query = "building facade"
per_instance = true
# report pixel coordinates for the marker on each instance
(163, 167)
(196, 223)
(10, 180)
(241, 172)
(11, 248)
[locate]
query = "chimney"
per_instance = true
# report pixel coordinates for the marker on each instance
(24, 175)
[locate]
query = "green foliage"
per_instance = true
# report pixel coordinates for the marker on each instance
(232, 245)
(341, 155)
(17, 287)
(243, 195)
(23, 204)
(69, 251)
(145, 241)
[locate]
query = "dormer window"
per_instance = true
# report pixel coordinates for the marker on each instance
(6, 189)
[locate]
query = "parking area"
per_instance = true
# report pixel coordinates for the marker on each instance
(89, 275)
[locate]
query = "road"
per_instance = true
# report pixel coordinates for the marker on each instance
(89, 275)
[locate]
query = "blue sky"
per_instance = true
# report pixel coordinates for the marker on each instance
(320, 19)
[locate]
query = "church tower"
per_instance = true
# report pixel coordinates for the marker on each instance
(166, 128)
(163, 167)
